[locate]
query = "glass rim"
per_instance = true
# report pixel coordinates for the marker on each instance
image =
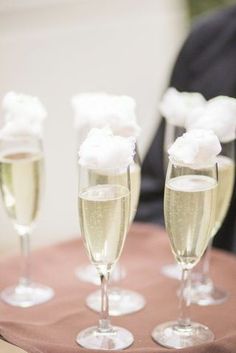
(20, 137)
(105, 168)
(192, 166)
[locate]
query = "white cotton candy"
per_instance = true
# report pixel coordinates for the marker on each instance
(176, 106)
(98, 110)
(196, 147)
(101, 150)
(19, 128)
(218, 115)
(22, 113)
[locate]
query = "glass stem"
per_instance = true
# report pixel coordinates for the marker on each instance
(104, 321)
(25, 254)
(185, 299)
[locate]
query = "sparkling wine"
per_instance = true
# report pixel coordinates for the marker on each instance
(189, 207)
(20, 184)
(104, 212)
(135, 182)
(226, 171)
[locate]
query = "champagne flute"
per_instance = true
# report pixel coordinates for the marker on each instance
(172, 132)
(104, 213)
(189, 207)
(21, 179)
(123, 301)
(88, 273)
(203, 290)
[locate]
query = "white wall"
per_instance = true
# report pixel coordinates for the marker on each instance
(54, 49)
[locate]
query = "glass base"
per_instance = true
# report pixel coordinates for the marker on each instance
(172, 271)
(121, 301)
(88, 273)
(92, 338)
(171, 335)
(25, 296)
(207, 294)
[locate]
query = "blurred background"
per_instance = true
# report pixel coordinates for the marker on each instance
(56, 48)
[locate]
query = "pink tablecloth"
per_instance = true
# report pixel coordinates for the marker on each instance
(52, 327)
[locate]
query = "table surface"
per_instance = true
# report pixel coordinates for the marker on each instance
(52, 327)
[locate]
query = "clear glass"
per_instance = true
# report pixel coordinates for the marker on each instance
(203, 290)
(87, 272)
(122, 301)
(104, 213)
(172, 270)
(21, 183)
(189, 203)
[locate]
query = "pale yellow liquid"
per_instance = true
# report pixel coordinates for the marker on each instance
(189, 207)
(135, 184)
(120, 179)
(104, 212)
(20, 183)
(226, 171)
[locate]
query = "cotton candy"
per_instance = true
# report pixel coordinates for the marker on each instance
(22, 114)
(176, 106)
(196, 147)
(102, 149)
(98, 110)
(218, 115)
